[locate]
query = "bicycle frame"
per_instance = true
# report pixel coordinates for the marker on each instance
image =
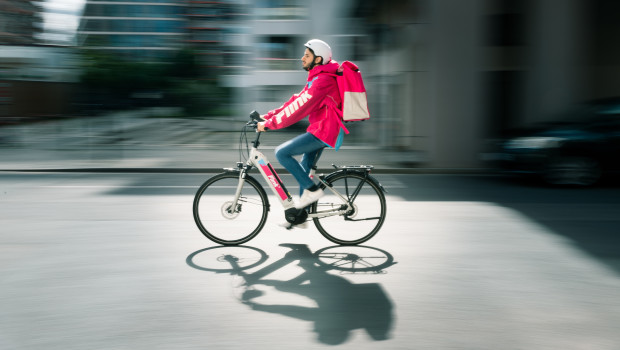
(258, 160)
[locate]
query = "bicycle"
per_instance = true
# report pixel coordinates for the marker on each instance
(231, 208)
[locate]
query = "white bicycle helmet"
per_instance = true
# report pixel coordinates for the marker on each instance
(320, 48)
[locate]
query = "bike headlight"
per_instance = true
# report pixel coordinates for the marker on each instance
(533, 142)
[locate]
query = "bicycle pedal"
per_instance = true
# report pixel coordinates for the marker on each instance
(290, 226)
(286, 225)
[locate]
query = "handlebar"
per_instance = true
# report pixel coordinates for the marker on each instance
(255, 118)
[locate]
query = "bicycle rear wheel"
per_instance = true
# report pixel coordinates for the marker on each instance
(363, 221)
(219, 221)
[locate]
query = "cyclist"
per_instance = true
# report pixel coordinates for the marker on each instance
(320, 101)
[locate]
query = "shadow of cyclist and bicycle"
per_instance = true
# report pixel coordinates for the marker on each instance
(341, 305)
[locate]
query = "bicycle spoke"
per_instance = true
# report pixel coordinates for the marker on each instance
(253, 201)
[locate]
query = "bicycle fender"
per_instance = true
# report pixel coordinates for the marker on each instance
(376, 182)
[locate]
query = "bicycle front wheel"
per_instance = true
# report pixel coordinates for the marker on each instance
(224, 222)
(365, 218)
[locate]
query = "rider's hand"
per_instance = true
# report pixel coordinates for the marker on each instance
(260, 127)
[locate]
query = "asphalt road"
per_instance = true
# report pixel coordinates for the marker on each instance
(114, 261)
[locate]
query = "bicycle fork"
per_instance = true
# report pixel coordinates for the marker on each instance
(233, 207)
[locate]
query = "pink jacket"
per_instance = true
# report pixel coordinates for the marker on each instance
(319, 100)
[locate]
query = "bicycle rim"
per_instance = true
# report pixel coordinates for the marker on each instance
(219, 221)
(368, 213)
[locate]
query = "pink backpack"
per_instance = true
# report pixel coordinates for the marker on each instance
(352, 93)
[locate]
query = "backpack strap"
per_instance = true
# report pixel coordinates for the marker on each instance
(338, 112)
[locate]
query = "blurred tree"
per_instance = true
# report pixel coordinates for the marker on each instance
(118, 79)
(110, 82)
(194, 85)
(184, 65)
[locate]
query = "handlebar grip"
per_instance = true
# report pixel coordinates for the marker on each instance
(256, 116)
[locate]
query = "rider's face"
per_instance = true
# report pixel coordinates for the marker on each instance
(307, 59)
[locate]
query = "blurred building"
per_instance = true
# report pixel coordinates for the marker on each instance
(137, 30)
(20, 22)
(443, 76)
(37, 81)
(448, 75)
(34, 80)
(175, 49)
(271, 44)
(211, 27)
(155, 30)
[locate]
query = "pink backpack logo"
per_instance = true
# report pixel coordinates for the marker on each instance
(352, 93)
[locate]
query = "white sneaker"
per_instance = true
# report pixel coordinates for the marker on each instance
(309, 197)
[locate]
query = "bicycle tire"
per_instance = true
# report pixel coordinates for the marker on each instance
(216, 219)
(364, 221)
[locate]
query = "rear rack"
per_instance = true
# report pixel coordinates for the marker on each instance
(354, 167)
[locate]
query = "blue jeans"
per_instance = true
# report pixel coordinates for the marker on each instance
(311, 148)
